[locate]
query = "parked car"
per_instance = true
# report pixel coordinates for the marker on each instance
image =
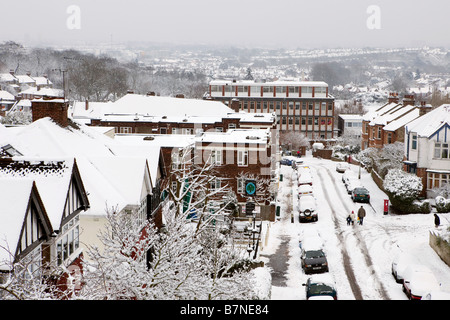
(418, 281)
(309, 236)
(313, 257)
(320, 287)
(307, 208)
(305, 178)
(348, 174)
(400, 263)
(360, 194)
(341, 167)
(304, 190)
(286, 162)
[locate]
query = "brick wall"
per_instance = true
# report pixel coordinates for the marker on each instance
(56, 110)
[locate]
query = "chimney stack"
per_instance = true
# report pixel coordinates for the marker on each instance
(393, 97)
(235, 105)
(424, 108)
(56, 109)
(408, 100)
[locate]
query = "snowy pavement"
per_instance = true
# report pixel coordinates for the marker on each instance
(359, 257)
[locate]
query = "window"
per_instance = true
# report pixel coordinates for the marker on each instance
(389, 137)
(278, 105)
(379, 132)
(255, 89)
(215, 184)
(414, 142)
(267, 89)
(291, 105)
(320, 90)
(441, 150)
(437, 180)
(216, 157)
(297, 106)
(240, 185)
(242, 158)
(125, 130)
(306, 90)
(69, 241)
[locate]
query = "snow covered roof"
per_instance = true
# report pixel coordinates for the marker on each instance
(109, 176)
(7, 77)
(271, 83)
(402, 121)
(375, 112)
(431, 122)
(391, 115)
(52, 178)
(40, 81)
(5, 95)
(49, 92)
(23, 78)
(14, 198)
(239, 136)
(165, 106)
(351, 117)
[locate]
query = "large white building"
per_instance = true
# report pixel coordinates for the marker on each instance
(304, 106)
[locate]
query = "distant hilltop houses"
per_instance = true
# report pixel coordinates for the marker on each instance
(16, 90)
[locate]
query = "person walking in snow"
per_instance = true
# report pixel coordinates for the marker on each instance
(361, 215)
(352, 218)
(437, 221)
(349, 220)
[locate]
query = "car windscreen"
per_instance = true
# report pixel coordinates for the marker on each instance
(320, 288)
(361, 191)
(312, 254)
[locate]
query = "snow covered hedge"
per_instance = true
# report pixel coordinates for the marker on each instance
(403, 188)
(442, 204)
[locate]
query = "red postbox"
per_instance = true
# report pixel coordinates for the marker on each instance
(386, 206)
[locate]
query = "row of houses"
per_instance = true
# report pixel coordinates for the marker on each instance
(423, 130)
(17, 90)
(116, 170)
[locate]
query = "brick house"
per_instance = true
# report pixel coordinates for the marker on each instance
(385, 124)
(239, 155)
(149, 114)
(427, 152)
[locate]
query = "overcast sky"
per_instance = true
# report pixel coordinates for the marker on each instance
(282, 23)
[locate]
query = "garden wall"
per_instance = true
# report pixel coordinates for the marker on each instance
(441, 247)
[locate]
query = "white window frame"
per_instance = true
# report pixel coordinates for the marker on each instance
(243, 158)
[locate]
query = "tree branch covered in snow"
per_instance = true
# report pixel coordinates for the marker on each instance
(171, 263)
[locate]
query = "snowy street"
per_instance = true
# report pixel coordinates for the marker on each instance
(359, 256)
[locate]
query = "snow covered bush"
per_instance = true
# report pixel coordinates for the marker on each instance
(17, 118)
(442, 204)
(403, 188)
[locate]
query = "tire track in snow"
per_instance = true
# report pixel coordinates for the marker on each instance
(361, 241)
(340, 234)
